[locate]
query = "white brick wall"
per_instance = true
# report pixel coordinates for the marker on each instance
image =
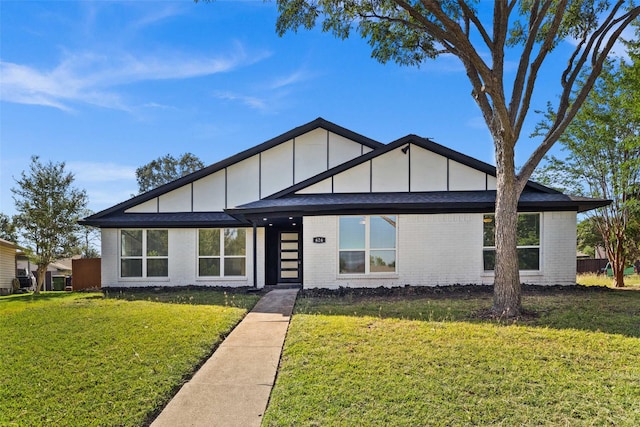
(439, 250)
(432, 250)
(183, 262)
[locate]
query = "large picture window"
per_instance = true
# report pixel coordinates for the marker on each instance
(528, 241)
(144, 253)
(367, 244)
(222, 252)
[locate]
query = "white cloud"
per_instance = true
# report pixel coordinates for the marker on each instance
(291, 79)
(160, 14)
(91, 78)
(250, 101)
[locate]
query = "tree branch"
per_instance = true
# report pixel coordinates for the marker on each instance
(547, 45)
(568, 113)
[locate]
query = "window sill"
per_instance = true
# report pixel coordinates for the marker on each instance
(522, 273)
(368, 276)
(222, 278)
(144, 279)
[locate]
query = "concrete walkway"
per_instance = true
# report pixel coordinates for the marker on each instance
(232, 388)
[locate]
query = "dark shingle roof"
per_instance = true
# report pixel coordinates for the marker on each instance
(179, 219)
(424, 202)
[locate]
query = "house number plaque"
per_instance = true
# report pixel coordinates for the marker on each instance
(319, 239)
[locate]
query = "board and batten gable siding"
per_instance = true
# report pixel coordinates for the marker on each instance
(183, 262)
(414, 170)
(439, 250)
(260, 175)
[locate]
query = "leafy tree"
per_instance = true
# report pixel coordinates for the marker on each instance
(412, 31)
(588, 237)
(48, 211)
(603, 159)
(8, 228)
(88, 238)
(166, 169)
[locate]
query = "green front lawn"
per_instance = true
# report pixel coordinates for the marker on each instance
(81, 359)
(430, 360)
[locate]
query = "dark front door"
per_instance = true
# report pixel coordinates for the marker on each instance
(283, 253)
(290, 257)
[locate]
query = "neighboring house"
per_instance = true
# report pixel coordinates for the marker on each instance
(325, 207)
(7, 266)
(59, 268)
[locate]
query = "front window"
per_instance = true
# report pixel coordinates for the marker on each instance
(222, 252)
(144, 253)
(367, 244)
(528, 242)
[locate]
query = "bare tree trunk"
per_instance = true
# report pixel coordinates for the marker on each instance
(42, 274)
(618, 261)
(506, 295)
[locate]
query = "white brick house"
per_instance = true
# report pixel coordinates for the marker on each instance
(322, 206)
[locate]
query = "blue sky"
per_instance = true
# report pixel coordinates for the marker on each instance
(109, 86)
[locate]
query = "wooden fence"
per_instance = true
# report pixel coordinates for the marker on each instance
(588, 265)
(86, 273)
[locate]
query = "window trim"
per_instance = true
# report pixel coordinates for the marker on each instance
(367, 249)
(143, 257)
(221, 255)
(538, 246)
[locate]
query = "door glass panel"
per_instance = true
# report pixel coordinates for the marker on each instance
(289, 246)
(289, 274)
(289, 255)
(289, 264)
(289, 236)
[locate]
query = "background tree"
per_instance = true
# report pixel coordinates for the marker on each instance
(412, 31)
(166, 169)
(48, 209)
(602, 146)
(589, 238)
(8, 229)
(88, 238)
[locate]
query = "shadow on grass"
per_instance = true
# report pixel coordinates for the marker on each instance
(594, 309)
(220, 296)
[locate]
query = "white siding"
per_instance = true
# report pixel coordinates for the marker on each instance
(354, 180)
(183, 262)
(321, 187)
(150, 206)
(259, 176)
(178, 200)
(342, 150)
(464, 178)
(428, 170)
(276, 168)
(310, 154)
(243, 182)
(390, 172)
(492, 182)
(439, 250)
(7, 267)
(209, 193)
